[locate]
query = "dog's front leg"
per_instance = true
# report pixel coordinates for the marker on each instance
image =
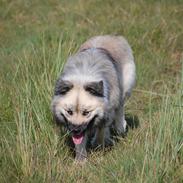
(102, 138)
(80, 149)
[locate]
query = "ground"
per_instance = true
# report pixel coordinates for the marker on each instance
(36, 37)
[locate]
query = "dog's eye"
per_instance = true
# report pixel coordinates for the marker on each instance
(85, 113)
(70, 112)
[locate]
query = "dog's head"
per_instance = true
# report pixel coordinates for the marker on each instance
(78, 106)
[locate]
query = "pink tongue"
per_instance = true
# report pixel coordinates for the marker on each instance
(77, 139)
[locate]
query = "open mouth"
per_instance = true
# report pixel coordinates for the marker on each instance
(77, 139)
(78, 135)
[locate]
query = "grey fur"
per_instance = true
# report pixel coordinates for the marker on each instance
(94, 65)
(108, 59)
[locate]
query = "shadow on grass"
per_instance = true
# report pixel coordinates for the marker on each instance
(132, 121)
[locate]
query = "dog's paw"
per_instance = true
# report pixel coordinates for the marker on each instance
(81, 156)
(109, 142)
(121, 128)
(94, 144)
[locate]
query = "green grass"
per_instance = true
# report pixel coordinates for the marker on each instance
(36, 37)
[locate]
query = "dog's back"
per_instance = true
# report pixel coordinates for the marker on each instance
(120, 51)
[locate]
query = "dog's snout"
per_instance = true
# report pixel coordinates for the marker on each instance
(77, 131)
(76, 128)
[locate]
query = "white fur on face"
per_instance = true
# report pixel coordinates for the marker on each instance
(79, 101)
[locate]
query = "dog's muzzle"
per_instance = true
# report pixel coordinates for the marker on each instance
(77, 129)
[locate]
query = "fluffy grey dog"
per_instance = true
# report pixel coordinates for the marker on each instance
(90, 93)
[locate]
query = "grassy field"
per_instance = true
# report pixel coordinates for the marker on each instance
(36, 37)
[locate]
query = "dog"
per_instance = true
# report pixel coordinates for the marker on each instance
(90, 93)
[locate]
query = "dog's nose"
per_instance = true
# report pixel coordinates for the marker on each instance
(77, 129)
(74, 128)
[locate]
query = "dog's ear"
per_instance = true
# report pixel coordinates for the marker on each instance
(62, 87)
(95, 88)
